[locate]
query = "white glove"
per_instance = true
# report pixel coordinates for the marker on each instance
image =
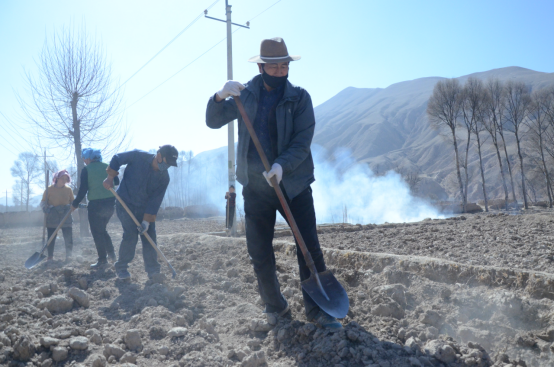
(230, 88)
(143, 227)
(277, 171)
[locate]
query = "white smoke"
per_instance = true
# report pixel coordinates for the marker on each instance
(347, 190)
(344, 190)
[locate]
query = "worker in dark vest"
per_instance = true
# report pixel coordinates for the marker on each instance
(101, 203)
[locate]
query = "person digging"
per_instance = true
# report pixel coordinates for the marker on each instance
(55, 204)
(142, 188)
(283, 120)
(101, 203)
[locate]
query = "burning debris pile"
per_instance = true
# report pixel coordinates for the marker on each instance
(405, 310)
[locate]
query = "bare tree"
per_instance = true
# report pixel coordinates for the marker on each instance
(518, 99)
(412, 177)
(27, 169)
(17, 194)
(494, 103)
(549, 134)
(73, 101)
(542, 102)
(443, 110)
(473, 111)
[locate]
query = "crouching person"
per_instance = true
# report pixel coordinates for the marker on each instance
(142, 188)
(55, 203)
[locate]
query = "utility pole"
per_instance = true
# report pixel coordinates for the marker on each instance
(230, 125)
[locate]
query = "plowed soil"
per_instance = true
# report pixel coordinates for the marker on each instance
(473, 290)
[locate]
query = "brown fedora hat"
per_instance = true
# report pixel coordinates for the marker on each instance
(272, 51)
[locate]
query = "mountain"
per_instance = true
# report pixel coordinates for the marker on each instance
(388, 128)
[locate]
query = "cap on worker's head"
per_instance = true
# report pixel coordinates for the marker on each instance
(92, 154)
(170, 153)
(273, 50)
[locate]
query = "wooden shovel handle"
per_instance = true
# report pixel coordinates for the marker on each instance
(58, 228)
(284, 204)
(145, 234)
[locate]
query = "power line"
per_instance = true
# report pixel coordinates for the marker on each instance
(186, 66)
(269, 7)
(9, 142)
(205, 52)
(11, 126)
(169, 43)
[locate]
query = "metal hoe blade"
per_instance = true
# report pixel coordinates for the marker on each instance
(337, 305)
(38, 256)
(34, 260)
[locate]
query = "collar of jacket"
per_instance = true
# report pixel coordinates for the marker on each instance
(254, 85)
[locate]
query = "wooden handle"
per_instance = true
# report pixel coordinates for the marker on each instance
(284, 204)
(145, 234)
(58, 228)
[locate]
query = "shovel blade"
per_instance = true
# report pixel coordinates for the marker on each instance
(338, 304)
(33, 261)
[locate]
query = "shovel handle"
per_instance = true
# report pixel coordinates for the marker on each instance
(56, 230)
(145, 234)
(278, 191)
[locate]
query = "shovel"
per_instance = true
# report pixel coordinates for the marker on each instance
(323, 287)
(37, 257)
(145, 234)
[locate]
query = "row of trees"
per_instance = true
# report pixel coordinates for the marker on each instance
(493, 110)
(28, 170)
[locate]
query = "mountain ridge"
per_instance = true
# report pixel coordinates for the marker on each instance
(388, 128)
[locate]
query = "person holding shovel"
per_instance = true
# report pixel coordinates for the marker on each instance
(101, 203)
(56, 202)
(142, 188)
(283, 119)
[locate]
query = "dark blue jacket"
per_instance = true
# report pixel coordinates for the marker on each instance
(295, 130)
(142, 187)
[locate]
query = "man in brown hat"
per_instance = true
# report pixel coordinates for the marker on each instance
(283, 118)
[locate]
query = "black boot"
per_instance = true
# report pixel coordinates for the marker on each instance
(99, 264)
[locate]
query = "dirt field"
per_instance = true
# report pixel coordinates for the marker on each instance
(476, 290)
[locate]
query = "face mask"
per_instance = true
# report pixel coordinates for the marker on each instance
(163, 166)
(274, 81)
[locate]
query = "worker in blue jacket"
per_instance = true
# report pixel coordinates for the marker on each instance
(283, 118)
(142, 188)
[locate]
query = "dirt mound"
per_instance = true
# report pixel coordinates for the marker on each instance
(405, 310)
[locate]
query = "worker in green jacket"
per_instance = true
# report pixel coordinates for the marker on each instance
(101, 203)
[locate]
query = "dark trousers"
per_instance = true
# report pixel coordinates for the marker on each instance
(260, 206)
(130, 239)
(67, 238)
(99, 214)
(230, 217)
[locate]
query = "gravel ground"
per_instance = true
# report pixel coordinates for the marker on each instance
(522, 241)
(418, 292)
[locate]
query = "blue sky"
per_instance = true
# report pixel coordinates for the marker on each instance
(364, 44)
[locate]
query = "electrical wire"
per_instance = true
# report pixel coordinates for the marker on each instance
(169, 43)
(7, 141)
(266, 9)
(10, 124)
(205, 52)
(186, 66)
